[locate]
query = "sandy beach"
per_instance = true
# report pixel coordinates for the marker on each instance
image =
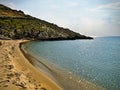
(17, 73)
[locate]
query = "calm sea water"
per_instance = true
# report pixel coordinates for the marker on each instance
(97, 61)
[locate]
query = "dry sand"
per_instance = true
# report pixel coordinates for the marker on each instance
(16, 73)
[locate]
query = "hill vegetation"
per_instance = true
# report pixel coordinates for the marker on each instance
(16, 25)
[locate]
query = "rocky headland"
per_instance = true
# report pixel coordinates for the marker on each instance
(17, 25)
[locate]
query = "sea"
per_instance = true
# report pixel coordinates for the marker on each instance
(75, 62)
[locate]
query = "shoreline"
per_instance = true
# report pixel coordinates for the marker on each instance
(16, 72)
(65, 80)
(38, 64)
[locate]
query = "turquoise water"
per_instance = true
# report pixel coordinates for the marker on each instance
(97, 61)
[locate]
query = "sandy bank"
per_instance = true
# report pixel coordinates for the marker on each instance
(16, 73)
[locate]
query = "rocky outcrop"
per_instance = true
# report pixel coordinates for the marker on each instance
(16, 25)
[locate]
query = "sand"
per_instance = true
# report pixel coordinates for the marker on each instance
(17, 73)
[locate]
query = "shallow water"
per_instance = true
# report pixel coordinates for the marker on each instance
(96, 61)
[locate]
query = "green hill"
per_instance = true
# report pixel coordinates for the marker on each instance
(16, 25)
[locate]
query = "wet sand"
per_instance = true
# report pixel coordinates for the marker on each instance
(17, 73)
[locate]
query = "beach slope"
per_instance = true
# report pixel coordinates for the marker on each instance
(16, 73)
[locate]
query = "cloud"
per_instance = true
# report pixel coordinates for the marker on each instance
(95, 26)
(11, 5)
(108, 12)
(63, 4)
(114, 7)
(72, 4)
(87, 25)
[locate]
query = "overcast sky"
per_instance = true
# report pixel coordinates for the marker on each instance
(88, 17)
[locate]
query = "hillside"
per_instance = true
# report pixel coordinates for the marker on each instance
(16, 25)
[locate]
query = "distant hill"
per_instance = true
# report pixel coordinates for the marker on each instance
(16, 25)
